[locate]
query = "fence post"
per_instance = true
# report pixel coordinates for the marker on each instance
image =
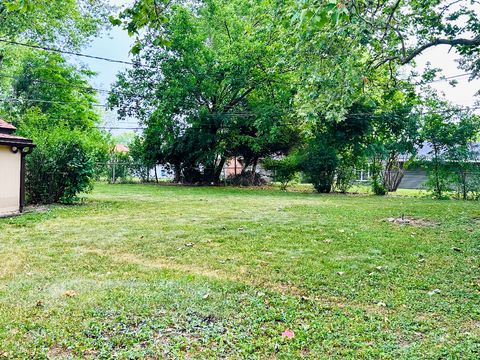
(113, 172)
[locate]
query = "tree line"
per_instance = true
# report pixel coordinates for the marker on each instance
(316, 87)
(321, 88)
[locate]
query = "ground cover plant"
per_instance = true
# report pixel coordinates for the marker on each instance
(143, 271)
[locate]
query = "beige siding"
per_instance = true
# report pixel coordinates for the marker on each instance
(9, 181)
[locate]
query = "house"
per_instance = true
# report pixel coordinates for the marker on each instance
(415, 176)
(121, 149)
(13, 150)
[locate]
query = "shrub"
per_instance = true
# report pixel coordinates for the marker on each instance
(379, 188)
(440, 179)
(319, 165)
(344, 177)
(124, 168)
(285, 170)
(62, 165)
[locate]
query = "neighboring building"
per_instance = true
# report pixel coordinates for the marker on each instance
(13, 150)
(233, 167)
(120, 148)
(415, 176)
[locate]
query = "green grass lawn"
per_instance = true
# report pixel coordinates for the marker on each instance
(143, 271)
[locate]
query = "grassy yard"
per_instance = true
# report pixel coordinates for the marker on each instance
(144, 271)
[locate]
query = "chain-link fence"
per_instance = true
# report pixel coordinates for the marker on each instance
(129, 172)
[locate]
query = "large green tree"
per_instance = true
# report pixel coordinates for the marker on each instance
(49, 100)
(221, 88)
(67, 22)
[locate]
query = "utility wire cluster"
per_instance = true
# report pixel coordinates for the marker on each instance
(89, 88)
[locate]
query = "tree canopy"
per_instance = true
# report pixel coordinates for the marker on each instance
(257, 79)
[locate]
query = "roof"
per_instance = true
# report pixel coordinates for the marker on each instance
(6, 128)
(425, 151)
(12, 140)
(120, 148)
(7, 137)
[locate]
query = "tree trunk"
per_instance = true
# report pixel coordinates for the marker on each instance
(246, 163)
(254, 170)
(156, 174)
(218, 171)
(393, 173)
(437, 190)
(177, 171)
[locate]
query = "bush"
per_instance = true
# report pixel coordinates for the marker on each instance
(61, 166)
(379, 188)
(285, 170)
(344, 178)
(319, 165)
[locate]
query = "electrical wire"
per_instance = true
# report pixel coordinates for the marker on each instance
(39, 47)
(88, 88)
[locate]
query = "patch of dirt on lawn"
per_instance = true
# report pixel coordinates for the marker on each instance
(472, 326)
(57, 352)
(404, 220)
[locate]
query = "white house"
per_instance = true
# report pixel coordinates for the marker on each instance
(13, 150)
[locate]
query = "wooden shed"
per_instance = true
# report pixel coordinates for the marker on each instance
(13, 150)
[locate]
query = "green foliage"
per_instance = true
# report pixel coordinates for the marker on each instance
(449, 131)
(344, 177)
(319, 165)
(61, 120)
(379, 188)
(391, 32)
(143, 160)
(61, 166)
(69, 22)
(143, 16)
(47, 82)
(121, 168)
(285, 170)
(224, 89)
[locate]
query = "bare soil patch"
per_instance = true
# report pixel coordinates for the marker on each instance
(404, 220)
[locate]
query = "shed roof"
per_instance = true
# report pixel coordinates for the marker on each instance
(6, 128)
(7, 137)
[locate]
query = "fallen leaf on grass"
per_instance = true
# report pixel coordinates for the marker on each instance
(288, 334)
(70, 293)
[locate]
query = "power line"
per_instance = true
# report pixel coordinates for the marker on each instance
(57, 83)
(38, 47)
(12, 99)
(445, 78)
(201, 126)
(119, 128)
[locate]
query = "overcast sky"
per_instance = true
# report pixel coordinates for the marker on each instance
(116, 45)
